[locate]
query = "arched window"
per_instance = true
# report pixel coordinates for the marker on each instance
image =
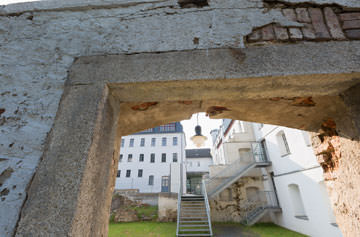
(298, 204)
(253, 194)
(283, 144)
(325, 196)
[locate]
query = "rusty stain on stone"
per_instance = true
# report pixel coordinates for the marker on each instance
(303, 101)
(215, 110)
(238, 54)
(2, 110)
(275, 98)
(144, 106)
(328, 152)
(186, 102)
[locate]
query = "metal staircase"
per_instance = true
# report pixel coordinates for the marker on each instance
(194, 215)
(235, 171)
(260, 209)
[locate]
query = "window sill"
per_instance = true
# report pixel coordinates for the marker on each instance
(306, 218)
(287, 154)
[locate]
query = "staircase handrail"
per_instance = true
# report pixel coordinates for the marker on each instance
(225, 170)
(255, 159)
(269, 202)
(207, 206)
(179, 201)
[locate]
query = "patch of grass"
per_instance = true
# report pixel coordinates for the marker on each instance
(271, 230)
(147, 211)
(159, 229)
(141, 229)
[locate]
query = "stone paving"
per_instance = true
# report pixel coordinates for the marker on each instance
(228, 230)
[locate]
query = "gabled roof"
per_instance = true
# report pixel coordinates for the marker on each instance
(198, 153)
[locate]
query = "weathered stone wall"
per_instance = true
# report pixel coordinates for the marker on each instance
(167, 207)
(235, 208)
(40, 41)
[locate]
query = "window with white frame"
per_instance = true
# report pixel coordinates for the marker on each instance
(151, 180)
(118, 173)
(122, 142)
(152, 158)
(131, 144)
(298, 204)
(175, 141)
(140, 173)
(141, 158)
(163, 157)
(128, 173)
(142, 141)
(175, 157)
(153, 141)
(130, 158)
(121, 158)
(283, 144)
(306, 137)
(163, 141)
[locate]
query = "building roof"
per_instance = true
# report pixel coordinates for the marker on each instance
(175, 127)
(198, 153)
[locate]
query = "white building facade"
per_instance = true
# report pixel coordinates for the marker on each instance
(292, 177)
(150, 160)
(197, 166)
(298, 180)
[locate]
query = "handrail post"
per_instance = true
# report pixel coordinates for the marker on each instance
(207, 206)
(180, 189)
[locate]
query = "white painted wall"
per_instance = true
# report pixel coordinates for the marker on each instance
(301, 168)
(227, 148)
(198, 164)
(157, 169)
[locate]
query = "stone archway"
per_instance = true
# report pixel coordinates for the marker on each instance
(109, 96)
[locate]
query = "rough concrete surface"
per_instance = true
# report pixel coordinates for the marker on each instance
(40, 41)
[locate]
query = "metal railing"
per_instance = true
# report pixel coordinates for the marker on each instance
(235, 169)
(258, 203)
(207, 206)
(179, 199)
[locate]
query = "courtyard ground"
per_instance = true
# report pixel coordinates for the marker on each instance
(157, 229)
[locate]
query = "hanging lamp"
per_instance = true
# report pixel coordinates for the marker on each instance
(198, 139)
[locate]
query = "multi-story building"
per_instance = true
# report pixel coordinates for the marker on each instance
(197, 163)
(298, 180)
(150, 160)
(269, 173)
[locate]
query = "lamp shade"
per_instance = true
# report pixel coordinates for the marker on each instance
(198, 139)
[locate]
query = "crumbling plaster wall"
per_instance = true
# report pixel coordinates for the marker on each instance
(235, 208)
(40, 41)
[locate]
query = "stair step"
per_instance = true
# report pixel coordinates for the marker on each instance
(194, 230)
(192, 208)
(198, 221)
(193, 213)
(192, 204)
(198, 196)
(194, 218)
(193, 225)
(193, 201)
(193, 235)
